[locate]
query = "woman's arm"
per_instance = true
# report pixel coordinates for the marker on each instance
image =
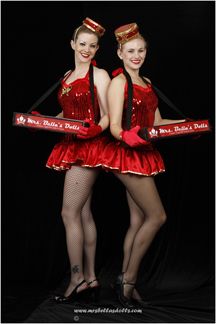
(102, 81)
(60, 115)
(116, 103)
(161, 121)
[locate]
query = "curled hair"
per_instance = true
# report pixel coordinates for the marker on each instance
(138, 36)
(83, 29)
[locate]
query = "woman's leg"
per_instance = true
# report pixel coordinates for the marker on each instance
(77, 187)
(136, 221)
(90, 240)
(145, 194)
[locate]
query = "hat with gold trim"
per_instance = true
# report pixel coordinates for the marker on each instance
(126, 32)
(93, 26)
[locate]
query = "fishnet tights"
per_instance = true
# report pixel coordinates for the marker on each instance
(144, 200)
(90, 240)
(136, 220)
(78, 221)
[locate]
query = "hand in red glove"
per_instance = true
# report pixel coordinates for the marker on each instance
(132, 139)
(34, 130)
(89, 132)
(35, 112)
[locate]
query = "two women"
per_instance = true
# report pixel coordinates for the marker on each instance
(83, 95)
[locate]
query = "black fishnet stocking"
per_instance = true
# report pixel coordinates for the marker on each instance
(136, 221)
(77, 187)
(90, 240)
(144, 193)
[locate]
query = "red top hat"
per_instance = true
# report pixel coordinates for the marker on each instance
(92, 25)
(126, 32)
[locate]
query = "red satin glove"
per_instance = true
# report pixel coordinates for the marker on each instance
(132, 139)
(34, 130)
(35, 112)
(89, 132)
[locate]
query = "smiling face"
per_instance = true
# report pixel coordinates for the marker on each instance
(133, 53)
(85, 47)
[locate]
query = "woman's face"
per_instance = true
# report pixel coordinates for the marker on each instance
(85, 47)
(133, 53)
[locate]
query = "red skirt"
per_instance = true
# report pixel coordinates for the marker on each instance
(145, 160)
(106, 152)
(69, 151)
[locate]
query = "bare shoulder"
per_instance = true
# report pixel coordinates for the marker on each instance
(100, 73)
(117, 85)
(119, 80)
(147, 79)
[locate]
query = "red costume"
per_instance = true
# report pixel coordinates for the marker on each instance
(75, 100)
(145, 160)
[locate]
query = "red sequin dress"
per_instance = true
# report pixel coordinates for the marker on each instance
(144, 160)
(75, 100)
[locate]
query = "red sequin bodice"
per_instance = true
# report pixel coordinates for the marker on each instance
(75, 100)
(145, 103)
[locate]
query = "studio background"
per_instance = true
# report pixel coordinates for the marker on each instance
(180, 61)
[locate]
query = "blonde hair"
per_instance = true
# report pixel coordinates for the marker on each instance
(137, 36)
(83, 29)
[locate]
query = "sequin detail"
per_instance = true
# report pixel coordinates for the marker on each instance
(77, 104)
(145, 102)
(145, 161)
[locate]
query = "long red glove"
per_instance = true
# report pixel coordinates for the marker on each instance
(35, 112)
(89, 132)
(132, 139)
(34, 130)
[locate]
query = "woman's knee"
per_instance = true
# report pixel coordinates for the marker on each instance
(136, 221)
(87, 216)
(69, 215)
(162, 218)
(158, 219)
